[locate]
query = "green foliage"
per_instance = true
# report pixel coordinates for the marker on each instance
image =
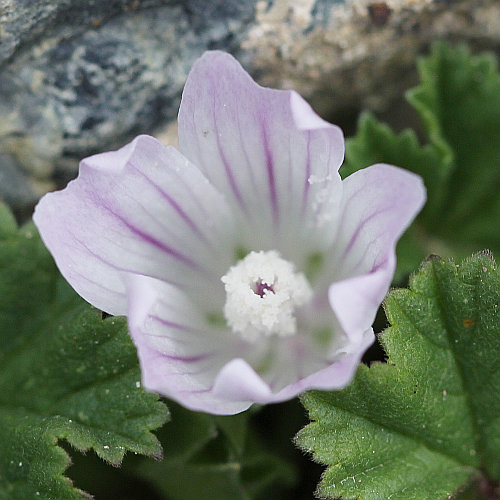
(65, 373)
(376, 143)
(458, 100)
(214, 458)
(427, 422)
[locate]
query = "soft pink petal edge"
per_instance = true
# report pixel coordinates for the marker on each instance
(124, 213)
(237, 386)
(239, 381)
(52, 217)
(355, 300)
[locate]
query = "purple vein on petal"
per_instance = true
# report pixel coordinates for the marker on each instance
(362, 257)
(187, 359)
(360, 226)
(99, 258)
(115, 267)
(107, 263)
(97, 284)
(340, 227)
(377, 266)
(356, 265)
(270, 172)
(227, 167)
(172, 324)
(153, 241)
(184, 216)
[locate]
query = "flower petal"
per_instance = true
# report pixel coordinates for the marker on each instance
(186, 359)
(179, 353)
(336, 375)
(378, 204)
(142, 209)
(265, 148)
(238, 380)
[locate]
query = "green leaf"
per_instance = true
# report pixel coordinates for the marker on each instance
(376, 143)
(8, 224)
(187, 434)
(226, 460)
(427, 422)
(459, 102)
(65, 373)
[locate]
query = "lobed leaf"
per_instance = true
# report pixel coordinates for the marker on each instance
(427, 422)
(458, 100)
(65, 373)
(376, 143)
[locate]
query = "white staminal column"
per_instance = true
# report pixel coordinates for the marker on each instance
(262, 293)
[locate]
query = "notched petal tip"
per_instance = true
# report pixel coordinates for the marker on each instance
(211, 57)
(262, 147)
(238, 381)
(305, 117)
(114, 162)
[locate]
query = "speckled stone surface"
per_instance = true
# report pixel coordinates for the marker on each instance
(359, 53)
(110, 73)
(77, 77)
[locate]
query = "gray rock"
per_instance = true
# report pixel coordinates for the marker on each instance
(66, 98)
(80, 76)
(23, 21)
(15, 188)
(347, 55)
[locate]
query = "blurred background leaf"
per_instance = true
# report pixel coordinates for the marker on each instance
(458, 100)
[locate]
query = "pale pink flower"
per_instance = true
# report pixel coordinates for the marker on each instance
(248, 271)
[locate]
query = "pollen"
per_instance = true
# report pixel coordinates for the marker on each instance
(263, 292)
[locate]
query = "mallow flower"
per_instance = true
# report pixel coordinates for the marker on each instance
(248, 270)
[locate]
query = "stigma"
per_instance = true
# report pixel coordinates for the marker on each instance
(263, 292)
